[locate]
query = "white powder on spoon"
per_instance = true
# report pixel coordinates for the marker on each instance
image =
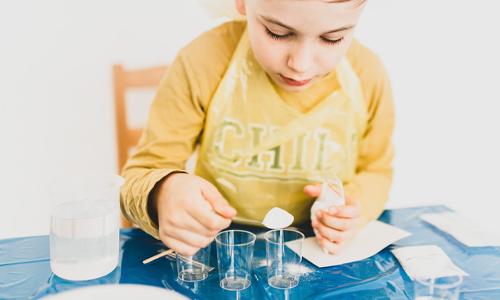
(277, 218)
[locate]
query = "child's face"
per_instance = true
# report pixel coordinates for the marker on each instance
(298, 41)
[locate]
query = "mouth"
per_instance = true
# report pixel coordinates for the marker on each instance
(294, 82)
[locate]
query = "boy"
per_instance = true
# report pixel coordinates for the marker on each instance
(277, 101)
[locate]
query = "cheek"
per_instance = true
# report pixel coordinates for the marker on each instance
(269, 53)
(330, 57)
(328, 61)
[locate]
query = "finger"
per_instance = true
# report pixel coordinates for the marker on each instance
(350, 200)
(336, 222)
(331, 247)
(202, 219)
(351, 209)
(218, 203)
(313, 190)
(178, 246)
(195, 223)
(327, 232)
(183, 219)
(189, 238)
(211, 222)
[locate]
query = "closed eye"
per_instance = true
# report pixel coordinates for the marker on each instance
(332, 42)
(277, 36)
(285, 36)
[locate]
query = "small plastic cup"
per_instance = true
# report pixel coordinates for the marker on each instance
(443, 288)
(234, 256)
(193, 268)
(283, 256)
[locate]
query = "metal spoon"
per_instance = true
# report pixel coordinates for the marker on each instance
(270, 220)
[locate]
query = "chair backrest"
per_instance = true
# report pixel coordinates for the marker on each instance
(128, 137)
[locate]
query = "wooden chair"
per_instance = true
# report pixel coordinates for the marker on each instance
(128, 137)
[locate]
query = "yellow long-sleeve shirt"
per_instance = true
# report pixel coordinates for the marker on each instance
(178, 113)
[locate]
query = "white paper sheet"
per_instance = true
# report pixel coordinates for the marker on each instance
(425, 262)
(372, 238)
(463, 229)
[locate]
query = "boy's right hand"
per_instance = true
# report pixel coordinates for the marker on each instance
(186, 220)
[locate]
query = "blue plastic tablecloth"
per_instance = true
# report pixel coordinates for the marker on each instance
(25, 268)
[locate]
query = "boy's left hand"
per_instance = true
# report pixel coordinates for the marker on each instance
(338, 225)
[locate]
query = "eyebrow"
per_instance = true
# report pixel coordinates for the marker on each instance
(276, 22)
(342, 1)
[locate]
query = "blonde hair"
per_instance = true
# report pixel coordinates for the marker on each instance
(227, 8)
(222, 9)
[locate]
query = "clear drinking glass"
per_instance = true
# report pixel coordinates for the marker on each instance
(443, 288)
(234, 256)
(193, 268)
(84, 225)
(283, 256)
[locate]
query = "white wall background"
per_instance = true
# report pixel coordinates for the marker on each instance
(56, 109)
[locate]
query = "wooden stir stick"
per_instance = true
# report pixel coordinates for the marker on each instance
(164, 253)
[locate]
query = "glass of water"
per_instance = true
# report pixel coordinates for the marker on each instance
(193, 268)
(443, 288)
(234, 256)
(283, 256)
(84, 225)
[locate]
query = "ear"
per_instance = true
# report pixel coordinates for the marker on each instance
(240, 7)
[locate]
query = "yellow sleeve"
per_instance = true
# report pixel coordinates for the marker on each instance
(176, 119)
(373, 177)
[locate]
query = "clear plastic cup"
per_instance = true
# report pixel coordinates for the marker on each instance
(84, 225)
(443, 288)
(234, 256)
(193, 268)
(283, 256)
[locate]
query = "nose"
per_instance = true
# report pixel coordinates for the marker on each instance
(301, 58)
